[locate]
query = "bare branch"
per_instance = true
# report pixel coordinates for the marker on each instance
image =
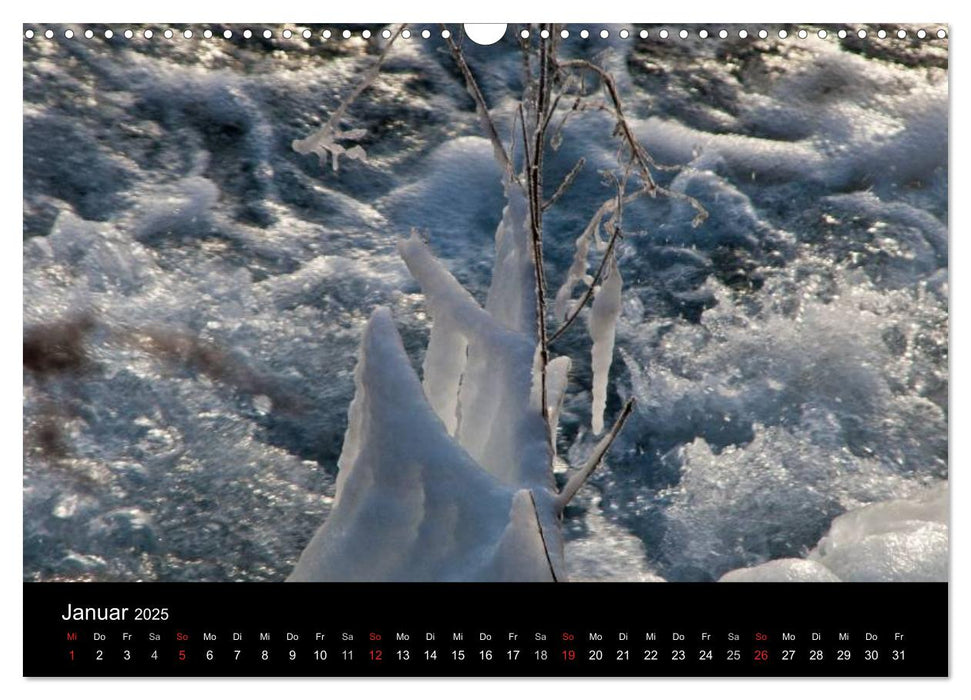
(480, 105)
(643, 159)
(581, 476)
(587, 295)
(565, 185)
(542, 537)
(369, 78)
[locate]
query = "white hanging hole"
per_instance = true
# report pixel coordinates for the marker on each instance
(921, 34)
(584, 34)
(803, 33)
(327, 34)
(406, 34)
(109, 33)
(227, 34)
(544, 34)
(485, 34)
(723, 34)
(207, 34)
(901, 34)
(186, 34)
(306, 34)
(386, 34)
(861, 33)
(29, 34)
(446, 34)
(821, 33)
(168, 33)
(287, 34)
(425, 34)
(783, 33)
(267, 34)
(88, 34)
(604, 34)
(624, 34)
(68, 33)
(882, 34)
(524, 34)
(763, 34)
(149, 33)
(564, 34)
(663, 33)
(683, 34)
(703, 33)
(941, 34)
(841, 33)
(742, 34)
(49, 34)
(129, 33)
(346, 33)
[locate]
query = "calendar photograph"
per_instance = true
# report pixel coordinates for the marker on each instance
(383, 303)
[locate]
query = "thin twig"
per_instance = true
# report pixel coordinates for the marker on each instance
(644, 160)
(581, 476)
(542, 537)
(369, 78)
(480, 105)
(589, 292)
(565, 185)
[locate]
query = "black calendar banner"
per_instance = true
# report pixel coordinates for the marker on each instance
(410, 629)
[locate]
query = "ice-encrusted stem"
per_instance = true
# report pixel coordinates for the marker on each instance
(324, 140)
(567, 288)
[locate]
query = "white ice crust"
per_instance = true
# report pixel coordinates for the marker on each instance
(899, 540)
(449, 478)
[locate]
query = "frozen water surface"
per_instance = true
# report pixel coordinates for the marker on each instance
(195, 293)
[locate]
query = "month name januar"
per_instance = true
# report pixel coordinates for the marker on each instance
(74, 613)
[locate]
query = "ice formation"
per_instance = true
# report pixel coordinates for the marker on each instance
(450, 478)
(603, 326)
(899, 540)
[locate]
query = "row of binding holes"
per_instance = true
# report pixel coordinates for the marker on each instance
(525, 34)
(246, 34)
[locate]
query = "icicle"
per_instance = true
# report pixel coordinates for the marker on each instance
(512, 294)
(603, 325)
(557, 373)
(578, 268)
